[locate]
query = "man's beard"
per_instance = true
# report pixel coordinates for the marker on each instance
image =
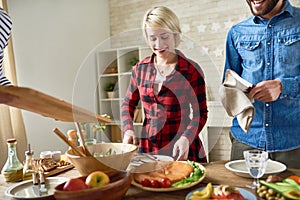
(270, 6)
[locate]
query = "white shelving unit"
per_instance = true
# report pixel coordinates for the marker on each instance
(119, 58)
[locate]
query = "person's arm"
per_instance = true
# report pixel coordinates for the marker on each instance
(197, 99)
(3, 79)
(265, 91)
(232, 58)
(129, 104)
(5, 30)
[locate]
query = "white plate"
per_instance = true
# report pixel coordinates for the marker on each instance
(139, 159)
(158, 157)
(239, 168)
(245, 193)
(24, 189)
(171, 188)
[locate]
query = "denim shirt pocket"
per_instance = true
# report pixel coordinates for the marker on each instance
(289, 49)
(250, 53)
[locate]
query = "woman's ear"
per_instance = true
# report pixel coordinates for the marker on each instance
(177, 37)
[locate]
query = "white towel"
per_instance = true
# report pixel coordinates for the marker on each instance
(235, 100)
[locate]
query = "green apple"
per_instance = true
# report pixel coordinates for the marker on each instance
(96, 179)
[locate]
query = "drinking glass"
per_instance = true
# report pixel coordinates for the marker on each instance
(256, 162)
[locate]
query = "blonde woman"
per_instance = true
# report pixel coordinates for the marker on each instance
(172, 91)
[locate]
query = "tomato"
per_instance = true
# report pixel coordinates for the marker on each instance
(235, 196)
(146, 183)
(223, 196)
(165, 183)
(295, 178)
(155, 184)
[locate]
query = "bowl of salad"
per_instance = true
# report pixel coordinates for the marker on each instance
(110, 158)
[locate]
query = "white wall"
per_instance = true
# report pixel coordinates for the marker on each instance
(51, 39)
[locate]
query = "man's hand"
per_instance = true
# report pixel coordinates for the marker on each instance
(266, 91)
(181, 148)
(129, 137)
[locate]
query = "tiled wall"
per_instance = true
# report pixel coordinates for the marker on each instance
(204, 24)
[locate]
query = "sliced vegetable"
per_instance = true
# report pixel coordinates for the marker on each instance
(295, 178)
(146, 182)
(165, 183)
(287, 188)
(206, 193)
(295, 195)
(155, 183)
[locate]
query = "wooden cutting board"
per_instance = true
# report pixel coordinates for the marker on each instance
(48, 106)
(59, 170)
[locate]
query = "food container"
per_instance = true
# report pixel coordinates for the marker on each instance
(115, 190)
(56, 155)
(45, 154)
(119, 159)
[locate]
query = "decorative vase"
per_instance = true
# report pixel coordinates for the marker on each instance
(110, 94)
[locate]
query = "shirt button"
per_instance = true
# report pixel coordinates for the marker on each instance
(267, 104)
(267, 125)
(285, 96)
(268, 63)
(269, 43)
(270, 25)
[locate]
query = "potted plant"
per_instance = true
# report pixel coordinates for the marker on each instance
(132, 62)
(109, 88)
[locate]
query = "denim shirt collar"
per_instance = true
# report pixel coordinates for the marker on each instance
(287, 8)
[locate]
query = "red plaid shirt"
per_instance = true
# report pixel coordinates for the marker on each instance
(167, 114)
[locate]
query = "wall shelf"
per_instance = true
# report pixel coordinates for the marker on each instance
(119, 58)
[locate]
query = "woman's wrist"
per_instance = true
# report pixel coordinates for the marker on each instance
(129, 133)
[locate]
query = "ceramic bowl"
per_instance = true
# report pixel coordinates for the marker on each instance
(118, 161)
(56, 155)
(115, 190)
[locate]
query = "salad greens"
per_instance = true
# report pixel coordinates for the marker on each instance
(194, 176)
(109, 152)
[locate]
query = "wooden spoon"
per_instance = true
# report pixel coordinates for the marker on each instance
(65, 139)
(80, 135)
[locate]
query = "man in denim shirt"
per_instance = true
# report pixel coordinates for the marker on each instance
(265, 50)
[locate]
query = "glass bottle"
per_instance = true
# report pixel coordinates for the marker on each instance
(13, 168)
(28, 169)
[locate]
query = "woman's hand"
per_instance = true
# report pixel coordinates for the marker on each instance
(129, 137)
(181, 148)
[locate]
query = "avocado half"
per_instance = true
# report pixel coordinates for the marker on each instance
(292, 194)
(287, 188)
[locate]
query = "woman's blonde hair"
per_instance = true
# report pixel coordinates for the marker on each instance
(162, 17)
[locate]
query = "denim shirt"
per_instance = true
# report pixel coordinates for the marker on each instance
(260, 50)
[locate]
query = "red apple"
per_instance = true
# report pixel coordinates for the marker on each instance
(75, 184)
(97, 178)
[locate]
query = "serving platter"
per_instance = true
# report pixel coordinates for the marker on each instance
(245, 193)
(170, 189)
(239, 168)
(25, 190)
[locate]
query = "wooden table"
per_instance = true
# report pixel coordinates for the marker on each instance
(216, 174)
